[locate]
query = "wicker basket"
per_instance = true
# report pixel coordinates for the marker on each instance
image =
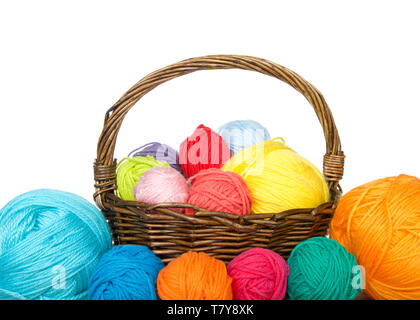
(170, 233)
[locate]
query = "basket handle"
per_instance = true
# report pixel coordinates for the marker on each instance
(105, 164)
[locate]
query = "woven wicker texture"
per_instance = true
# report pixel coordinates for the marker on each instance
(170, 233)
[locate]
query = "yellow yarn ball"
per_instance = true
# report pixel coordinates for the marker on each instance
(279, 179)
(129, 171)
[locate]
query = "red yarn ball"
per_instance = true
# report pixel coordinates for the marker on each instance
(218, 190)
(258, 274)
(204, 149)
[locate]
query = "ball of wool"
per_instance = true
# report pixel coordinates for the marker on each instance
(125, 272)
(258, 274)
(159, 151)
(218, 190)
(50, 243)
(240, 134)
(278, 178)
(379, 222)
(129, 171)
(204, 149)
(194, 276)
(161, 184)
(321, 269)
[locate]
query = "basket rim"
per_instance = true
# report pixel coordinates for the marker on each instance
(202, 217)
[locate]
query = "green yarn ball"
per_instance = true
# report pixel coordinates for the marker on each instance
(321, 269)
(129, 171)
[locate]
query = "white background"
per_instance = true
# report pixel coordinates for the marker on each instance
(64, 63)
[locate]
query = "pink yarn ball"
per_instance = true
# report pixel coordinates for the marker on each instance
(161, 184)
(258, 274)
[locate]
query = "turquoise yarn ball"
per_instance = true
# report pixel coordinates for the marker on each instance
(126, 272)
(50, 243)
(240, 134)
(321, 269)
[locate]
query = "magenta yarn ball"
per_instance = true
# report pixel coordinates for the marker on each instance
(161, 184)
(258, 274)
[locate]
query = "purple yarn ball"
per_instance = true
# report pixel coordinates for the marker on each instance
(160, 152)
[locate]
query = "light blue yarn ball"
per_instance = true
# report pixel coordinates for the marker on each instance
(126, 272)
(50, 243)
(240, 134)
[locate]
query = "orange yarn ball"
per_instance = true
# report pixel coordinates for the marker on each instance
(379, 223)
(218, 190)
(194, 276)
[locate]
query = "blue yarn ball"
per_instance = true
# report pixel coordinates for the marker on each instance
(240, 134)
(126, 272)
(50, 243)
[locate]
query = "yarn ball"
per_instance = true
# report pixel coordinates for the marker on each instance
(125, 272)
(278, 178)
(258, 274)
(240, 134)
(194, 276)
(321, 269)
(379, 222)
(161, 184)
(129, 171)
(204, 149)
(159, 151)
(218, 190)
(50, 243)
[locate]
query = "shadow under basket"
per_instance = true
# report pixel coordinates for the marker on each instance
(170, 233)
